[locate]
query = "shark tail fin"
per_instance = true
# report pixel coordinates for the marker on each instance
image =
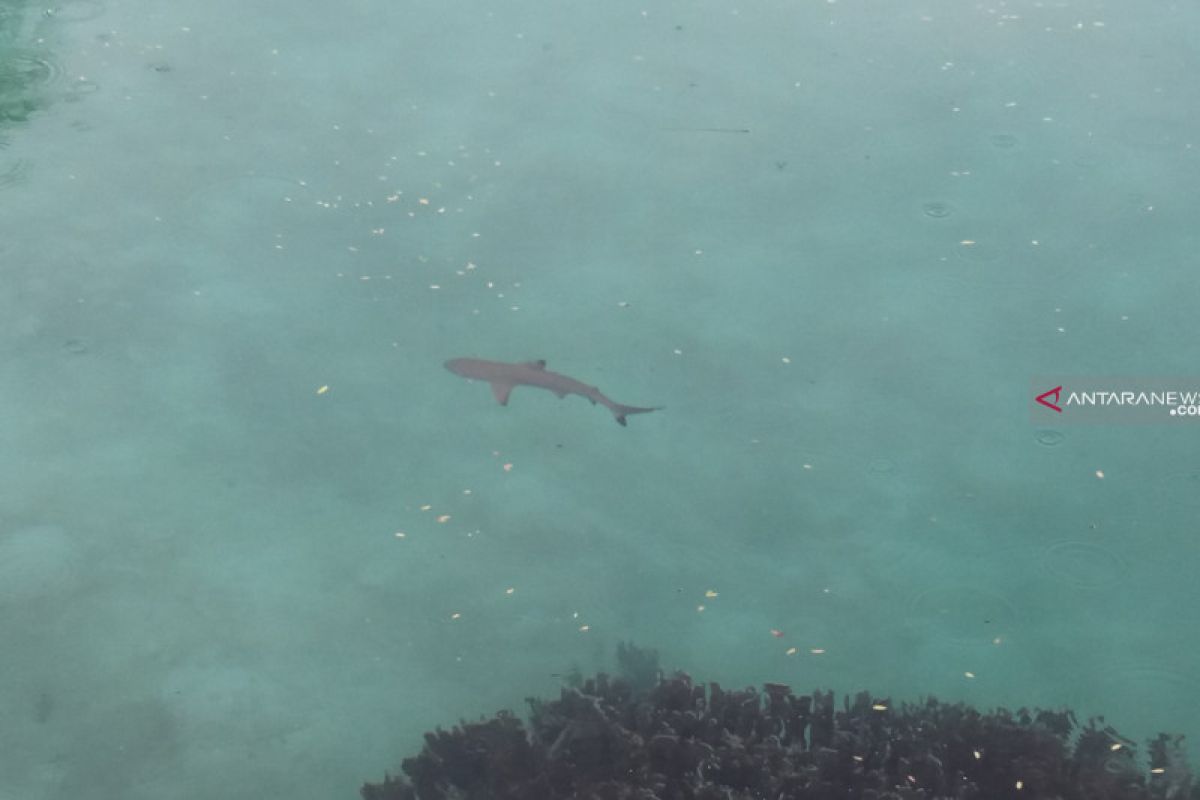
(619, 411)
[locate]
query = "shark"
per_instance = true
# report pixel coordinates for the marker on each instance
(504, 376)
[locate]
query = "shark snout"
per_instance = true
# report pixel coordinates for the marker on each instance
(458, 366)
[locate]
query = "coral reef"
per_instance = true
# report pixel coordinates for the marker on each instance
(686, 741)
(639, 667)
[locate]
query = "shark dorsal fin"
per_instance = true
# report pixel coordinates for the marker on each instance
(539, 364)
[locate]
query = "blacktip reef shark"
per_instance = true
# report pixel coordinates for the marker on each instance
(504, 376)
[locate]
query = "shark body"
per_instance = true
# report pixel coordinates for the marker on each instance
(504, 376)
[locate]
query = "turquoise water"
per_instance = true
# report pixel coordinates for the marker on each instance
(254, 539)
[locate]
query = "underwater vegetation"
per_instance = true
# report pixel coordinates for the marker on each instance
(29, 76)
(20, 80)
(683, 740)
(22, 72)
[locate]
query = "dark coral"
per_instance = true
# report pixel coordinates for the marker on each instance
(638, 666)
(684, 741)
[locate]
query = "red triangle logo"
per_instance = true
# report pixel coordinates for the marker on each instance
(1043, 398)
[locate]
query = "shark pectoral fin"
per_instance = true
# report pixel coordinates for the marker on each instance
(539, 364)
(501, 391)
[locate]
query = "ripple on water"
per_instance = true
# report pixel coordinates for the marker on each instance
(27, 70)
(963, 614)
(882, 466)
(28, 79)
(937, 209)
(1048, 437)
(1083, 565)
(1004, 141)
(75, 347)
